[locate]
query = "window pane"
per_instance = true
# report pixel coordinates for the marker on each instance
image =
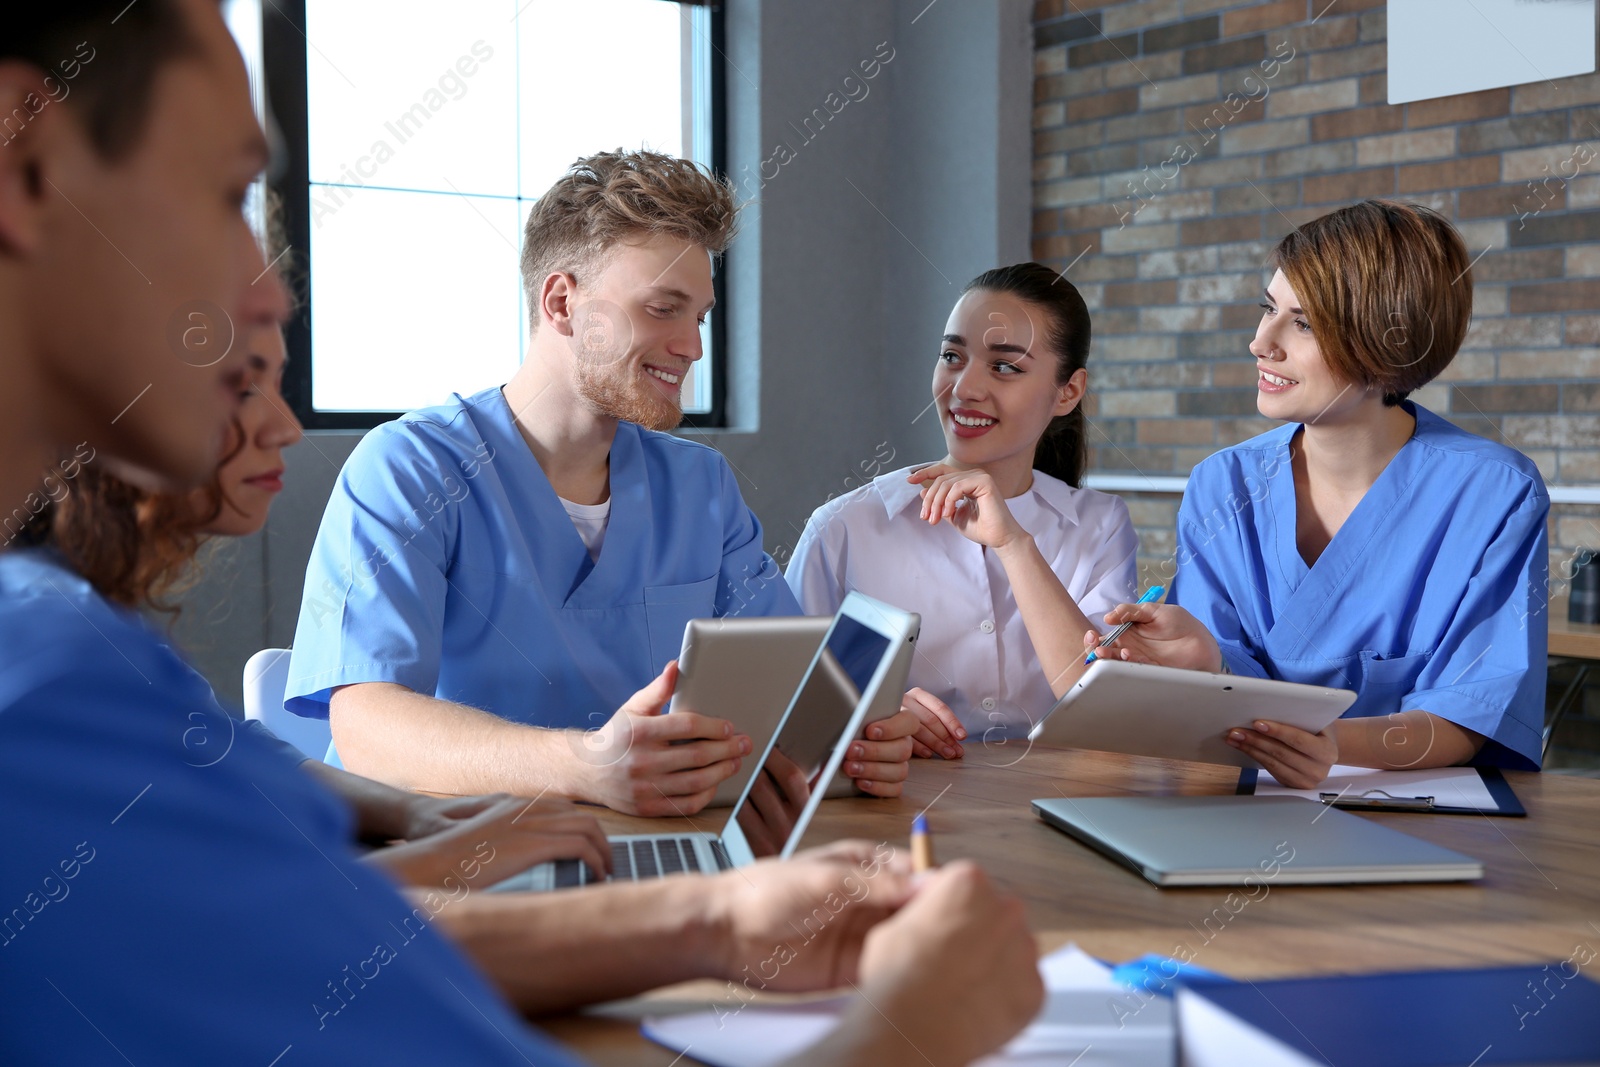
(244, 22)
(414, 296)
(596, 76)
(422, 96)
(697, 384)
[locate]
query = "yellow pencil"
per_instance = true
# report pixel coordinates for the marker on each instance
(921, 845)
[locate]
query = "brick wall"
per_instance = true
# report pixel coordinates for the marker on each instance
(1175, 141)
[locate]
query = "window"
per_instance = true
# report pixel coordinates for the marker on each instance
(415, 139)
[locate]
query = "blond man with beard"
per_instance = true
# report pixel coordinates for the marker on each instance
(500, 582)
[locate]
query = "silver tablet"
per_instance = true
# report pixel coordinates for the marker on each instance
(1146, 710)
(859, 657)
(748, 670)
(745, 671)
(859, 671)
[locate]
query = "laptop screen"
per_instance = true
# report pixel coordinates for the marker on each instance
(823, 707)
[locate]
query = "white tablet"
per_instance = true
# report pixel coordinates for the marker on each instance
(1145, 710)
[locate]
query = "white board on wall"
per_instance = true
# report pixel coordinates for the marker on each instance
(1445, 47)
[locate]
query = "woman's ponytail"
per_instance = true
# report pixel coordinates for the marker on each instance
(1063, 451)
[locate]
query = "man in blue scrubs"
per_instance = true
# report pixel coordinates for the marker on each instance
(496, 576)
(162, 901)
(159, 905)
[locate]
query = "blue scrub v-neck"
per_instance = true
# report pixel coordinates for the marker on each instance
(1310, 588)
(557, 548)
(1431, 596)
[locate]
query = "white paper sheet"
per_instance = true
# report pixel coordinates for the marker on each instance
(1212, 1037)
(1077, 1025)
(1450, 787)
(751, 1036)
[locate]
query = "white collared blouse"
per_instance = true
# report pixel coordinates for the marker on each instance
(974, 652)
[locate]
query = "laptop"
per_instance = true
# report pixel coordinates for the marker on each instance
(855, 662)
(1246, 840)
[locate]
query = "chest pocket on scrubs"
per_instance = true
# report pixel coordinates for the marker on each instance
(667, 608)
(1386, 680)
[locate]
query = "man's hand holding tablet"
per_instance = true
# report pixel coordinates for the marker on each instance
(645, 762)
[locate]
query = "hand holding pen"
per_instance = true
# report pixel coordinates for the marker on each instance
(1151, 596)
(1163, 634)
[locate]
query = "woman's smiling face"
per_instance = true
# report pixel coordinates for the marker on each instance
(1293, 381)
(995, 380)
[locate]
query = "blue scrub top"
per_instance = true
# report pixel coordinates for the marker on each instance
(446, 563)
(175, 891)
(1431, 596)
(272, 740)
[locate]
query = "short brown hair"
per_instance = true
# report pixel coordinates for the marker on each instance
(613, 197)
(1387, 289)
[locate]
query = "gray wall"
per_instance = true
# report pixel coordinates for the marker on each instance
(848, 261)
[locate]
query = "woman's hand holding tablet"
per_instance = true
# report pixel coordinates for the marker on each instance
(1297, 758)
(940, 732)
(1168, 636)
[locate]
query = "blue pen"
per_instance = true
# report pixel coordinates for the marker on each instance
(1151, 595)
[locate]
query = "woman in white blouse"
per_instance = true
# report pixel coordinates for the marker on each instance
(1008, 561)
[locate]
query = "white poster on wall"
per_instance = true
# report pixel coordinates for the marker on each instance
(1444, 47)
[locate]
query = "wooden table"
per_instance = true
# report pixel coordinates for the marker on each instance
(1575, 640)
(1540, 896)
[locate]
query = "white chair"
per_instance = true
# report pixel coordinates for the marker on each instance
(265, 677)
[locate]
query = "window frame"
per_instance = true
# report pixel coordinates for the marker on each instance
(283, 46)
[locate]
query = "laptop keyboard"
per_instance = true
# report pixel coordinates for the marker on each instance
(633, 860)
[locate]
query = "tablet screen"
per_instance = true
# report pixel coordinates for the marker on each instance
(823, 708)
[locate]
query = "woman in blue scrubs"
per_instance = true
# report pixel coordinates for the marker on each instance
(1367, 544)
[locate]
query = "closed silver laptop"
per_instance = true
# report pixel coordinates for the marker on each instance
(1245, 840)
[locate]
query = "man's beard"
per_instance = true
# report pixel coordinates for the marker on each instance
(623, 396)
